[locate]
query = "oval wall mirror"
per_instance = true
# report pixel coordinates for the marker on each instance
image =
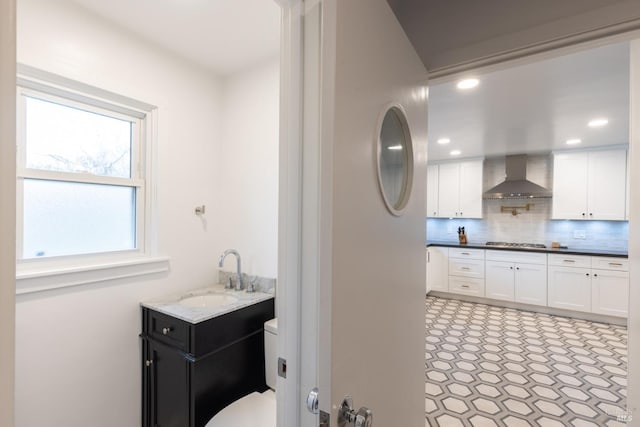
(395, 160)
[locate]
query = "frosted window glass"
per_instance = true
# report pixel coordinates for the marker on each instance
(66, 139)
(68, 218)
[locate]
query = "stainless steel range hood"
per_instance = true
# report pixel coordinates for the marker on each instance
(516, 185)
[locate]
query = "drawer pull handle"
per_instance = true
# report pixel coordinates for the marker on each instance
(464, 286)
(568, 260)
(465, 268)
(465, 253)
(149, 362)
(165, 331)
(615, 264)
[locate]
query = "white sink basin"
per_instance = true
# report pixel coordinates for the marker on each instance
(208, 300)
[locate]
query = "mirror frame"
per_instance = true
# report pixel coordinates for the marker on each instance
(399, 208)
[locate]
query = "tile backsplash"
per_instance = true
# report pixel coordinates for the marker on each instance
(533, 226)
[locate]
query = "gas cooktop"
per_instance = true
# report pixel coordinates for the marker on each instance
(517, 245)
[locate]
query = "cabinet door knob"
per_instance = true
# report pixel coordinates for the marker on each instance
(583, 214)
(165, 331)
(148, 362)
(587, 274)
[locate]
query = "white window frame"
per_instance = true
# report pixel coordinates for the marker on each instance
(41, 274)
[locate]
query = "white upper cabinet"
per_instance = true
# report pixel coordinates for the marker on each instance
(459, 190)
(432, 190)
(590, 185)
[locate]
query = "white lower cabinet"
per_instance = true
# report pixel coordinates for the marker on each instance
(516, 276)
(466, 286)
(570, 288)
(466, 271)
(437, 269)
(593, 284)
(500, 280)
(596, 284)
(531, 284)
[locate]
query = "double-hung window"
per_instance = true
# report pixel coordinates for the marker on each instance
(82, 176)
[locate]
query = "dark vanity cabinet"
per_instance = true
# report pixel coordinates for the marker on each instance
(191, 371)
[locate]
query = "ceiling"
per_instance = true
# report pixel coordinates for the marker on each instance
(535, 107)
(223, 36)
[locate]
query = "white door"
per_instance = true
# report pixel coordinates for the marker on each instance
(372, 263)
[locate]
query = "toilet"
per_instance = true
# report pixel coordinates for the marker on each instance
(255, 409)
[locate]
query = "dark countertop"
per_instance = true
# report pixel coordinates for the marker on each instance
(569, 251)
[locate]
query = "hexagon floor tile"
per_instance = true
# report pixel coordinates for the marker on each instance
(521, 368)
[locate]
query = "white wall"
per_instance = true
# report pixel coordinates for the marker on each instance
(247, 207)
(7, 208)
(77, 349)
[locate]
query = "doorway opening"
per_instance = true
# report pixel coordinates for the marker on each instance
(510, 335)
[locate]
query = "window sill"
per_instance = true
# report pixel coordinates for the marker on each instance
(30, 279)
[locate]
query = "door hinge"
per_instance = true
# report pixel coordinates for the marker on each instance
(324, 419)
(282, 367)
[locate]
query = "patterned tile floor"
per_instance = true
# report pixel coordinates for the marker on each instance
(491, 366)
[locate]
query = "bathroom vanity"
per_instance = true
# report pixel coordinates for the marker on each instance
(199, 357)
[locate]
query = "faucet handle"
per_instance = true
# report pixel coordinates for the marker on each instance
(229, 284)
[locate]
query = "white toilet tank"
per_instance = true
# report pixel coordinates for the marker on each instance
(270, 352)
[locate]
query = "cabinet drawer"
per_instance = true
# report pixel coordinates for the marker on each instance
(466, 286)
(517, 256)
(466, 267)
(466, 253)
(570, 260)
(168, 330)
(610, 263)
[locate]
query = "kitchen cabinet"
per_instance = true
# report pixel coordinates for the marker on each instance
(569, 282)
(437, 269)
(594, 284)
(516, 276)
(459, 190)
(192, 371)
(466, 271)
(610, 286)
(590, 185)
(432, 190)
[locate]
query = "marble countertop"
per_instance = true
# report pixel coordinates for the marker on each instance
(569, 251)
(170, 304)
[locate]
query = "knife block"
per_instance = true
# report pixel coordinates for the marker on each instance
(462, 238)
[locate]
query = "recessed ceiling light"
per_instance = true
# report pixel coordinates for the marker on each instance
(596, 123)
(394, 147)
(455, 152)
(468, 83)
(444, 141)
(573, 141)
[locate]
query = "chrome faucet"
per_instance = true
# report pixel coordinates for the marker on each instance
(239, 283)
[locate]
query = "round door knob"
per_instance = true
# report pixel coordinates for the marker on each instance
(148, 362)
(364, 418)
(165, 331)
